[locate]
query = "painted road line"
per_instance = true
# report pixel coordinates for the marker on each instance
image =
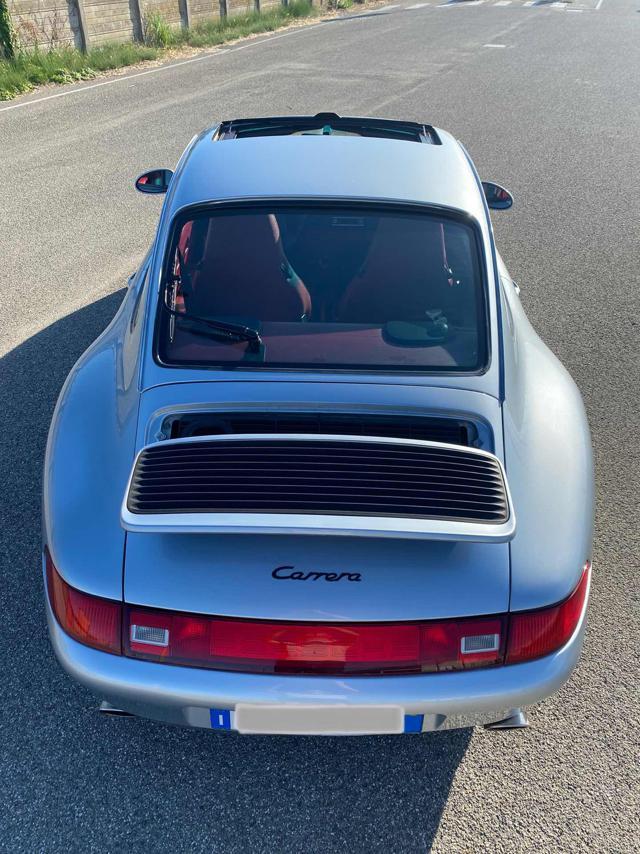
(217, 52)
(529, 3)
(502, 3)
(494, 45)
(416, 6)
(599, 4)
(558, 5)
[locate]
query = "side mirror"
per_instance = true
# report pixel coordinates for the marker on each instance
(497, 197)
(154, 181)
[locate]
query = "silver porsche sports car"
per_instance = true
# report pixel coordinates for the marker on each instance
(320, 475)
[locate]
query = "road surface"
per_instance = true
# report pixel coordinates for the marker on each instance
(545, 97)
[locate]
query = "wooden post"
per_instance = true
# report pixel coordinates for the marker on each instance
(82, 26)
(256, 6)
(223, 8)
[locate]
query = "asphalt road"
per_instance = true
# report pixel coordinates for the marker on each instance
(554, 113)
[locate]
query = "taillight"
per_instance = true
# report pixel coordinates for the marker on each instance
(89, 619)
(533, 634)
(337, 648)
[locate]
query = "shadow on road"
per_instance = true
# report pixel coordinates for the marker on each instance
(76, 782)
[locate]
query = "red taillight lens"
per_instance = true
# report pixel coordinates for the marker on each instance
(279, 647)
(89, 619)
(537, 633)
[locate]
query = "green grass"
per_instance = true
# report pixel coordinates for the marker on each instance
(65, 65)
(217, 31)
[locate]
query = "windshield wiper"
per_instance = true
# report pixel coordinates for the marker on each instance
(221, 330)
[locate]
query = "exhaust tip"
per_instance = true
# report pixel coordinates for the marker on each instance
(516, 720)
(111, 711)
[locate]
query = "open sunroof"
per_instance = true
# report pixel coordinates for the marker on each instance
(327, 124)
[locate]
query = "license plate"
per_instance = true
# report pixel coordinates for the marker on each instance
(319, 720)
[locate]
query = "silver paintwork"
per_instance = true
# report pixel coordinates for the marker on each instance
(528, 411)
(320, 525)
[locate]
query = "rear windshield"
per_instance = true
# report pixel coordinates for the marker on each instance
(321, 288)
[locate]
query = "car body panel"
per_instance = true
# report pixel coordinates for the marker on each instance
(232, 575)
(89, 453)
(333, 167)
(548, 457)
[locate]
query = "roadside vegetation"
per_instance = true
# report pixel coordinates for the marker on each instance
(32, 67)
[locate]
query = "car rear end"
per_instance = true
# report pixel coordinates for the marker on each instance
(390, 615)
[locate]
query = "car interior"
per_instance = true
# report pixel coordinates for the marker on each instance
(415, 278)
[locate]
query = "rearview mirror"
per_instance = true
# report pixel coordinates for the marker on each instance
(497, 197)
(154, 181)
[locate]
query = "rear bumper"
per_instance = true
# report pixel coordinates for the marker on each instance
(185, 695)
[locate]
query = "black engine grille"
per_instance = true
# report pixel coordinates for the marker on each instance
(318, 477)
(450, 430)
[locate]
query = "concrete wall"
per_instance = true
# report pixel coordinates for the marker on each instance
(87, 23)
(46, 23)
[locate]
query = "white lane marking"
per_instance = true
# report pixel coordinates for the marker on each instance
(494, 45)
(502, 3)
(529, 3)
(201, 58)
(598, 4)
(417, 6)
(558, 5)
(386, 8)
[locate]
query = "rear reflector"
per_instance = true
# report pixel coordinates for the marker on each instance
(150, 635)
(533, 634)
(480, 643)
(89, 619)
(278, 647)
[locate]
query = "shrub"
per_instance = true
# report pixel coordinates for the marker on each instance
(8, 39)
(156, 30)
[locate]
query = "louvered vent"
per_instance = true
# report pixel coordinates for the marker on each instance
(319, 476)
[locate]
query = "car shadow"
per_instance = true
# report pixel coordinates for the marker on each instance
(74, 780)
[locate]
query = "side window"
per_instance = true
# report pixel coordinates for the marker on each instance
(139, 286)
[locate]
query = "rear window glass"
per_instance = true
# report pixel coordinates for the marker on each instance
(324, 288)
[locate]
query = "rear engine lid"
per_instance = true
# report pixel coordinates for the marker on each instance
(316, 577)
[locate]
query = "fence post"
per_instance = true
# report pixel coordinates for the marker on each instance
(136, 20)
(185, 13)
(82, 26)
(223, 8)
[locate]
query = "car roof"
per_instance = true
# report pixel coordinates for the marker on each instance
(403, 162)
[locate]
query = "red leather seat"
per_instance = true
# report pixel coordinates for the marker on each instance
(403, 276)
(241, 271)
